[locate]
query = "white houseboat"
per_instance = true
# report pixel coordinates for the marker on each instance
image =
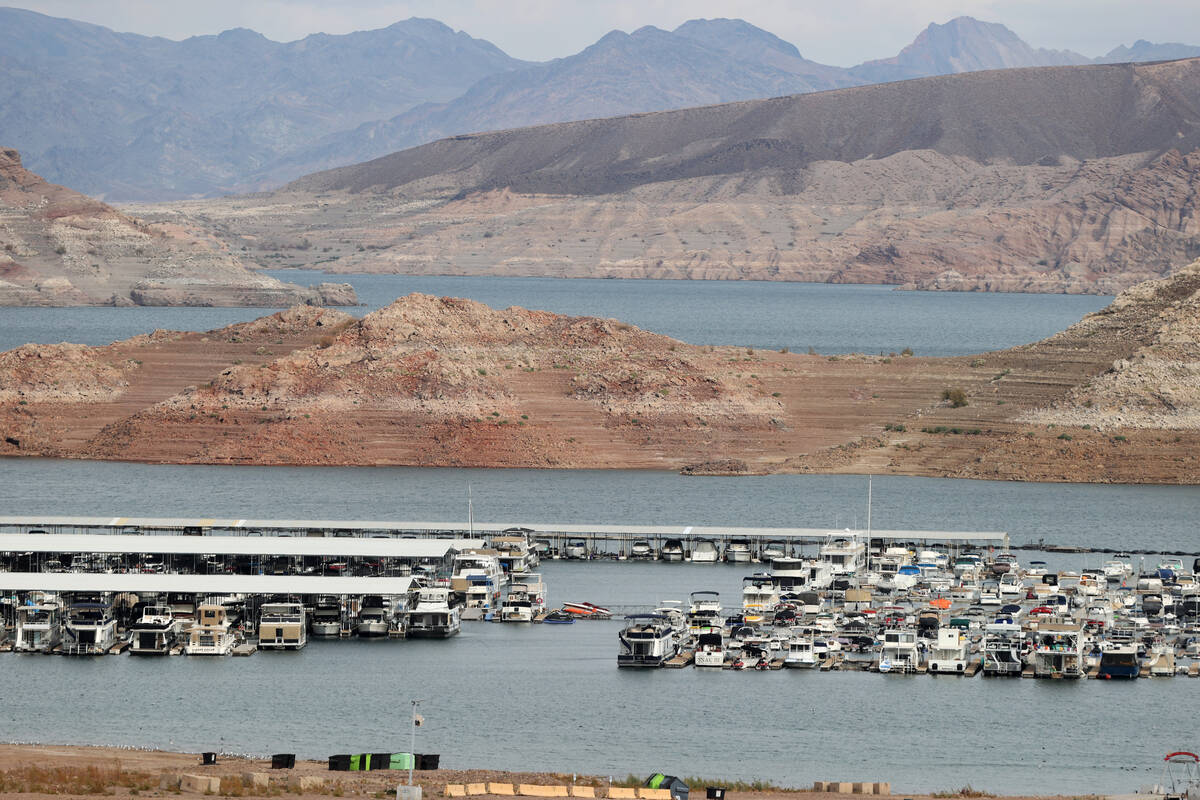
(647, 640)
(155, 633)
(210, 634)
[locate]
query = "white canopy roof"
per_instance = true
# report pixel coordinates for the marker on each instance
(199, 584)
(338, 546)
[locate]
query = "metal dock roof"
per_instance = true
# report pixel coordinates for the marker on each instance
(340, 546)
(487, 528)
(200, 584)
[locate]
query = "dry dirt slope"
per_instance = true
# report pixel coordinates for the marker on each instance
(441, 381)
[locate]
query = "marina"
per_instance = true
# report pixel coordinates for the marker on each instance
(968, 735)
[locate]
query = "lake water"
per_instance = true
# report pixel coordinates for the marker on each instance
(826, 317)
(550, 697)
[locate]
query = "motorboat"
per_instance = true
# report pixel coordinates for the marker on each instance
(641, 551)
(38, 627)
(155, 633)
(375, 617)
(647, 640)
(326, 619)
(575, 548)
(672, 550)
(704, 611)
(710, 648)
(773, 549)
(210, 634)
(90, 628)
(1004, 563)
(704, 551)
(950, 653)
(282, 626)
(737, 551)
(760, 595)
(432, 615)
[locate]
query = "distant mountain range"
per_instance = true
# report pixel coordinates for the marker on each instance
(128, 117)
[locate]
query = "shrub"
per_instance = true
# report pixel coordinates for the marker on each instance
(957, 398)
(906, 351)
(1065, 436)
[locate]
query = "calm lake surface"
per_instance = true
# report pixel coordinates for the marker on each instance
(826, 317)
(551, 697)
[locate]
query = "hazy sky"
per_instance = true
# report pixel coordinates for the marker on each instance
(841, 32)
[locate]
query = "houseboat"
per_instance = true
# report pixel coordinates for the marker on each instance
(647, 640)
(1003, 643)
(432, 614)
(899, 651)
(1058, 651)
(800, 652)
(155, 633)
(210, 634)
(950, 653)
(704, 611)
(90, 628)
(39, 627)
(282, 626)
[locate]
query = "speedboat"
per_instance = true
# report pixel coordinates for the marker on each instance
(641, 551)
(672, 550)
(737, 551)
(704, 551)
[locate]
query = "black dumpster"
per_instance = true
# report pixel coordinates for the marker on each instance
(340, 763)
(283, 761)
(714, 793)
(428, 760)
(208, 758)
(381, 760)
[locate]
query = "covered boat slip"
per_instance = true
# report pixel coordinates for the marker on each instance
(201, 585)
(245, 555)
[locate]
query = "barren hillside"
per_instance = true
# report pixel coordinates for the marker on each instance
(61, 248)
(440, 382)
(1058, 179)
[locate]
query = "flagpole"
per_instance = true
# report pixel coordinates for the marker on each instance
(412, 741)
